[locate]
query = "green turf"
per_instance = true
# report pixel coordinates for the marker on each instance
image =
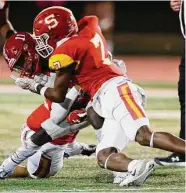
(84, 174)
(154, 103)
(31, 100)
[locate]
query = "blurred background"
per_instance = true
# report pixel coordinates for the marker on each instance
(132, 28)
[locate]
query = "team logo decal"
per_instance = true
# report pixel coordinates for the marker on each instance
(57, 64)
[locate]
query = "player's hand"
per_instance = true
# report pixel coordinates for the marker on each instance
(25, 83)
(143, 95)
(76, 116)
(41, 79)
(175, 5)
(121, 65)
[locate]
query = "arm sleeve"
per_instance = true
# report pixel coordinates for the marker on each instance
(59, 111)
(55, 131)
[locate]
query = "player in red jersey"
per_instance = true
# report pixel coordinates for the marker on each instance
(51, 154)
(83, 57)
(48, 159)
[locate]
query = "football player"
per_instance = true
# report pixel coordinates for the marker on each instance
(17, 44)
(79, 52)
(47, 160)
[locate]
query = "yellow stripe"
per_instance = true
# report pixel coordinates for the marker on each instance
(130, 102)
(58, 61)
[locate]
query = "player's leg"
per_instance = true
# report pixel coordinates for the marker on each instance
(161, 140)
(47, 161)
(113, 140)
(97, 122)
(94, 119)
(130, 110)
(109, 156)
(178, 159)
(21, 154)
(20, 172)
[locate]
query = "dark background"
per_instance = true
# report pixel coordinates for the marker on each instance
(140, 27)
(130, 16)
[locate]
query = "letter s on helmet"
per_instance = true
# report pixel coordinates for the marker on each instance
(52, 25)
(20, 54)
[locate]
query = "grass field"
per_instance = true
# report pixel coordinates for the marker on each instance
(84, 174)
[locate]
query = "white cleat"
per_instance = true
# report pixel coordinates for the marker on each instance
(119, 177)
(140, 173)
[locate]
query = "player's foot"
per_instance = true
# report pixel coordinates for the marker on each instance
(4, 174)
(119, 177)
(88, 149)
(141, 171)
(175, 159)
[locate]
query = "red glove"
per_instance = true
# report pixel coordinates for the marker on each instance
(76, 116)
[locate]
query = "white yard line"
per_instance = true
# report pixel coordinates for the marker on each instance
(95, 190)
(152, 114)
(159, 93)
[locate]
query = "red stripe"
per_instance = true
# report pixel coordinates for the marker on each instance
(133, 100)
(131, 111)
(127, 93)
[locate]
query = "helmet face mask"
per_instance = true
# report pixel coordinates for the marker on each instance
(42, 46)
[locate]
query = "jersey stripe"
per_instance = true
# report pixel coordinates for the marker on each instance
(59, 61)
(130, 103)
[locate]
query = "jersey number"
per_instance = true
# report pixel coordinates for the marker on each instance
(51, 21)
(98, 43)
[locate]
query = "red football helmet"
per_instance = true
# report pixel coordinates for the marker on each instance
(52, 25)
(20, 54)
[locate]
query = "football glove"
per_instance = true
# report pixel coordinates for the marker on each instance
(25, 83)
(41, 79)
(76, 116)
(121, 64)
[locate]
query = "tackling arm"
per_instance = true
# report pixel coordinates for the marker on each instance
(58, 93)
(60, 110)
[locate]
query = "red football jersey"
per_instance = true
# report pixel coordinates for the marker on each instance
(41, 114)
(90, 53)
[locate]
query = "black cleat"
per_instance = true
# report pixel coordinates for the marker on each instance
(175, 159)
(88, 149)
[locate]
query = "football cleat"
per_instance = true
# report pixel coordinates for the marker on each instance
(119, 177)
(139, 174)
(88, 149)
(174, 159)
